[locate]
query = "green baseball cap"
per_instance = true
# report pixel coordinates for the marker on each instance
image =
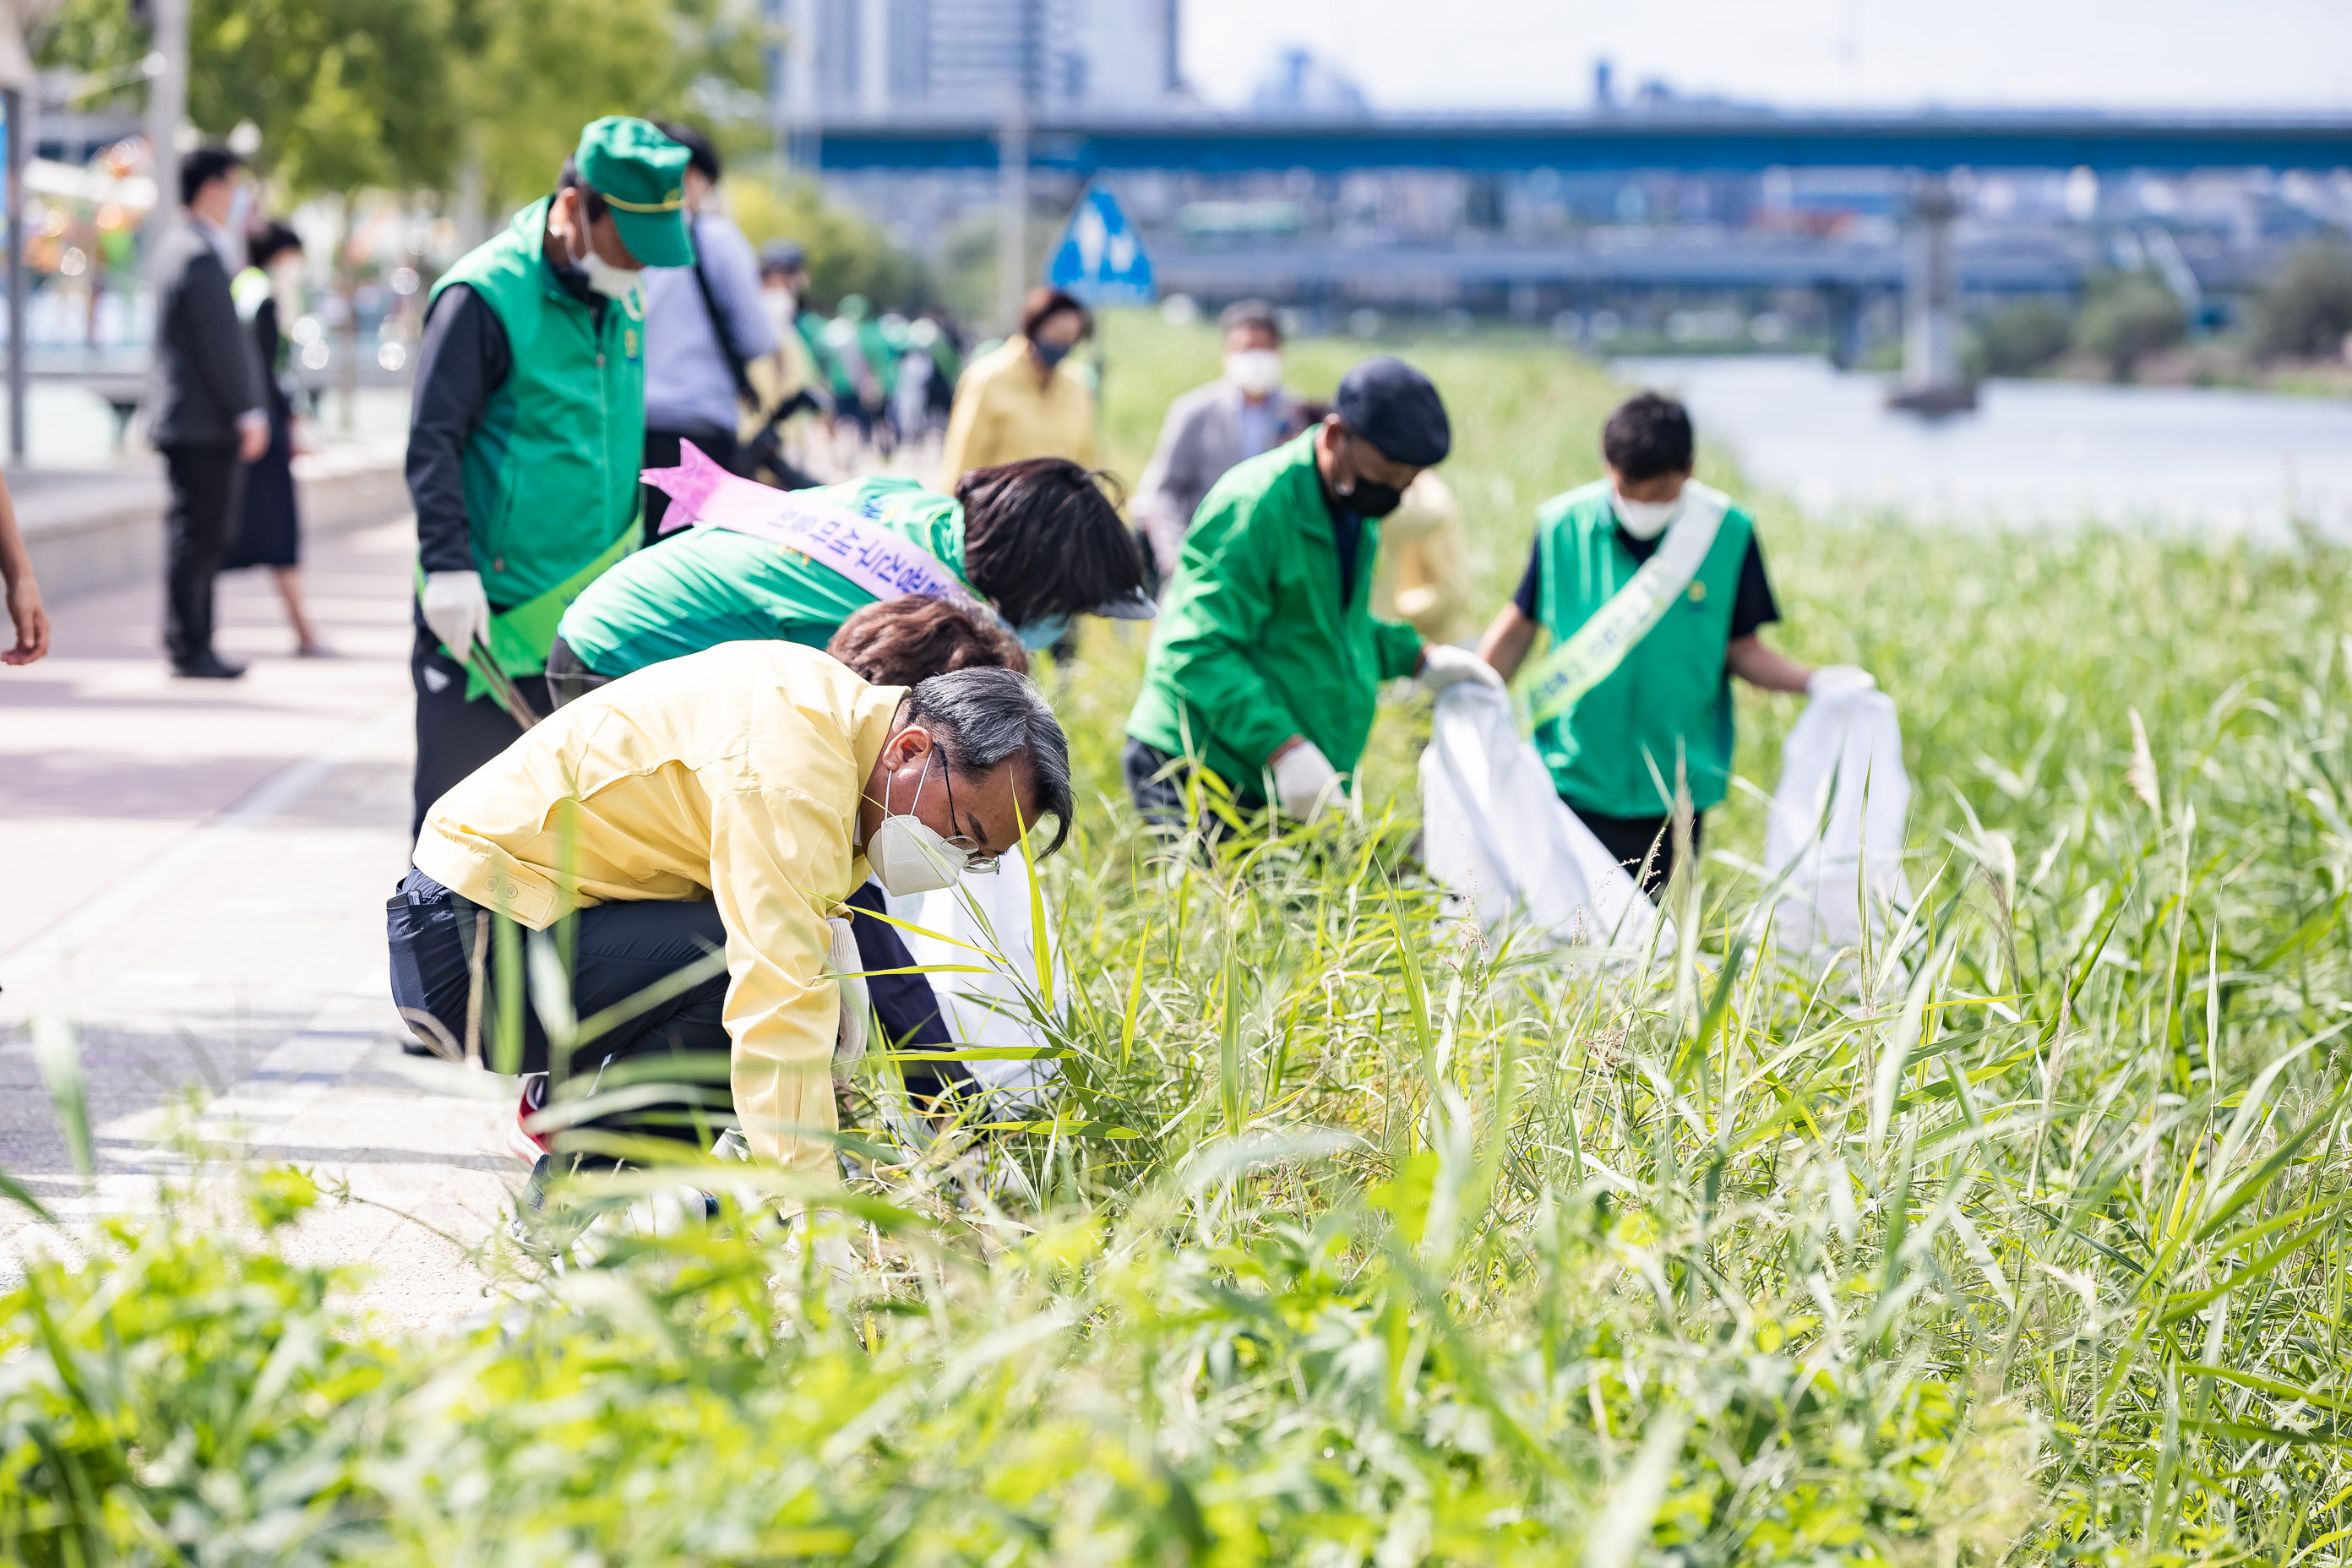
(641, 174)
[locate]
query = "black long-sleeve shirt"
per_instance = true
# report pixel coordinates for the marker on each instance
(462, 363)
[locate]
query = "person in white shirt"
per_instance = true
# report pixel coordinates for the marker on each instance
(704, 326)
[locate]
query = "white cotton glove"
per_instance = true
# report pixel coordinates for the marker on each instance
(1840, 680)
(849, 1042)
(457, 610)
(1442, 665)
(1304, 781)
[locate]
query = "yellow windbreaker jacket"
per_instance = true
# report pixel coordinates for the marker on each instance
(732, 775)
(1001, 414)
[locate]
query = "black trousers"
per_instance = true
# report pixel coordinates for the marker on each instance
(904, 1004)
(453, 736)
(661, 452)
(1628, 840)
(199, 529)
(622, 949)
(1156, 783)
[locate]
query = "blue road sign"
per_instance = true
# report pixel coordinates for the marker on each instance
(1101, 258)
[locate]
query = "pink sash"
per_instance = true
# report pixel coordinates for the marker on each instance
(878, 561)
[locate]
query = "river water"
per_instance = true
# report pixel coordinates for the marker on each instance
(2033, 452)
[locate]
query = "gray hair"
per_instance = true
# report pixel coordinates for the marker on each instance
(984, 716)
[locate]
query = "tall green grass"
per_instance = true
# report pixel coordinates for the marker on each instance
(1363, 1239)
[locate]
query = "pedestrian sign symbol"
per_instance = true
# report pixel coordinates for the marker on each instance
(1101, 258)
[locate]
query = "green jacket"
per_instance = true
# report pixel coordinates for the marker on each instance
(1253, 644)
(550, 474)
(1670, 698)
(709, 585)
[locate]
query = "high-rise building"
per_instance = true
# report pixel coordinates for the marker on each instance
(955, 59)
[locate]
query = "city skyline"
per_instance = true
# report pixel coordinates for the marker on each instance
(1799, 54)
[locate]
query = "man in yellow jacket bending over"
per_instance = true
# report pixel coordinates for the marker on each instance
(728, 801)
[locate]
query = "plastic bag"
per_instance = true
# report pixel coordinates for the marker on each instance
(1845, 755)
(1502, 843)
(991, 1009)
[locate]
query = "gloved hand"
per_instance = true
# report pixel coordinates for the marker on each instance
(457, 610)
(849, 1042)
(1839, 680)
(1304, 781)
(1443, 665)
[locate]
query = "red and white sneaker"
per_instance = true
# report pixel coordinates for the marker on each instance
(523, 1144)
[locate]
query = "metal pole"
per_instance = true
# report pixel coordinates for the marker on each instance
(167, 103)
(1012, 216)
(15, 102)
(167, 95)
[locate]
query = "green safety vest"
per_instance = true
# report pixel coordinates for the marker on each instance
(1254, 642)
(1670, 698)
(550, 474)
(705, 586)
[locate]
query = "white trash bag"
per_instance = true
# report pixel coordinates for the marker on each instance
(992, 914)
(1845, 754)
(1498, 837)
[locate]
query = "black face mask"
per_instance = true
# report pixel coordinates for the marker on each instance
(1370, 500)
(1050, 354)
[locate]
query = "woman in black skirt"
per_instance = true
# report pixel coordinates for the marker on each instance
(270, 534)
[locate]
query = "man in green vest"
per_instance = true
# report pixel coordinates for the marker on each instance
(527, 434)
(1654, 589)
(1268, 661)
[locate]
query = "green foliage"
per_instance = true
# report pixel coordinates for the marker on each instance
(2017, 1237)
(847, 254)
(529, 73)
(398, 94)
(2021, 337)
(2126, 316)
(2307, 308)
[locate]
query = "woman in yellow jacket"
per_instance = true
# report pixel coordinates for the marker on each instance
(1026, 399)
(730, 801)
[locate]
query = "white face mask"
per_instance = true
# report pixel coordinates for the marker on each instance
(1257, 372)
(782, 307)
(908, 856)
(603, 278)
(1644, 519)
(611, 281)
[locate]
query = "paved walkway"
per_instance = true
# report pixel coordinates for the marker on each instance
(193, 877)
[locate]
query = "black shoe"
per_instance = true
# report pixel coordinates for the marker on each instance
(205, 666)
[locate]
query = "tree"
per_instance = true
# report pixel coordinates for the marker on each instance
(397, 95)
(349, 95)
(846, 255)
(2127, 316)
(2021, 337)
(530, 73)
(2307, 308)
(346, 93)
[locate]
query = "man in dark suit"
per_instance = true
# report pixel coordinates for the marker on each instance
(206, 409)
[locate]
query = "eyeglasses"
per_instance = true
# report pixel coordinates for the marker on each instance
(975, 858)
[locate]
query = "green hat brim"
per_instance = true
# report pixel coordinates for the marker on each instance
(656, 238)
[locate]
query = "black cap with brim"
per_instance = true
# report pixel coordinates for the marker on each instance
(1135, 606)
(1395, 408)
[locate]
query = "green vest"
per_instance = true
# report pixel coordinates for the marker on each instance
(705, 586)
(1670, 698)
(551, 473)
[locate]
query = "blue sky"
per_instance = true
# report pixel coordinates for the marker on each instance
(1460, 54)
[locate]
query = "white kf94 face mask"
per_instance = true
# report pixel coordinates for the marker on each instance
(1644, 519)
(909, 857)
(1257, 372)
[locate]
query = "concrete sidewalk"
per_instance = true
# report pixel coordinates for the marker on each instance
(194, 877)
